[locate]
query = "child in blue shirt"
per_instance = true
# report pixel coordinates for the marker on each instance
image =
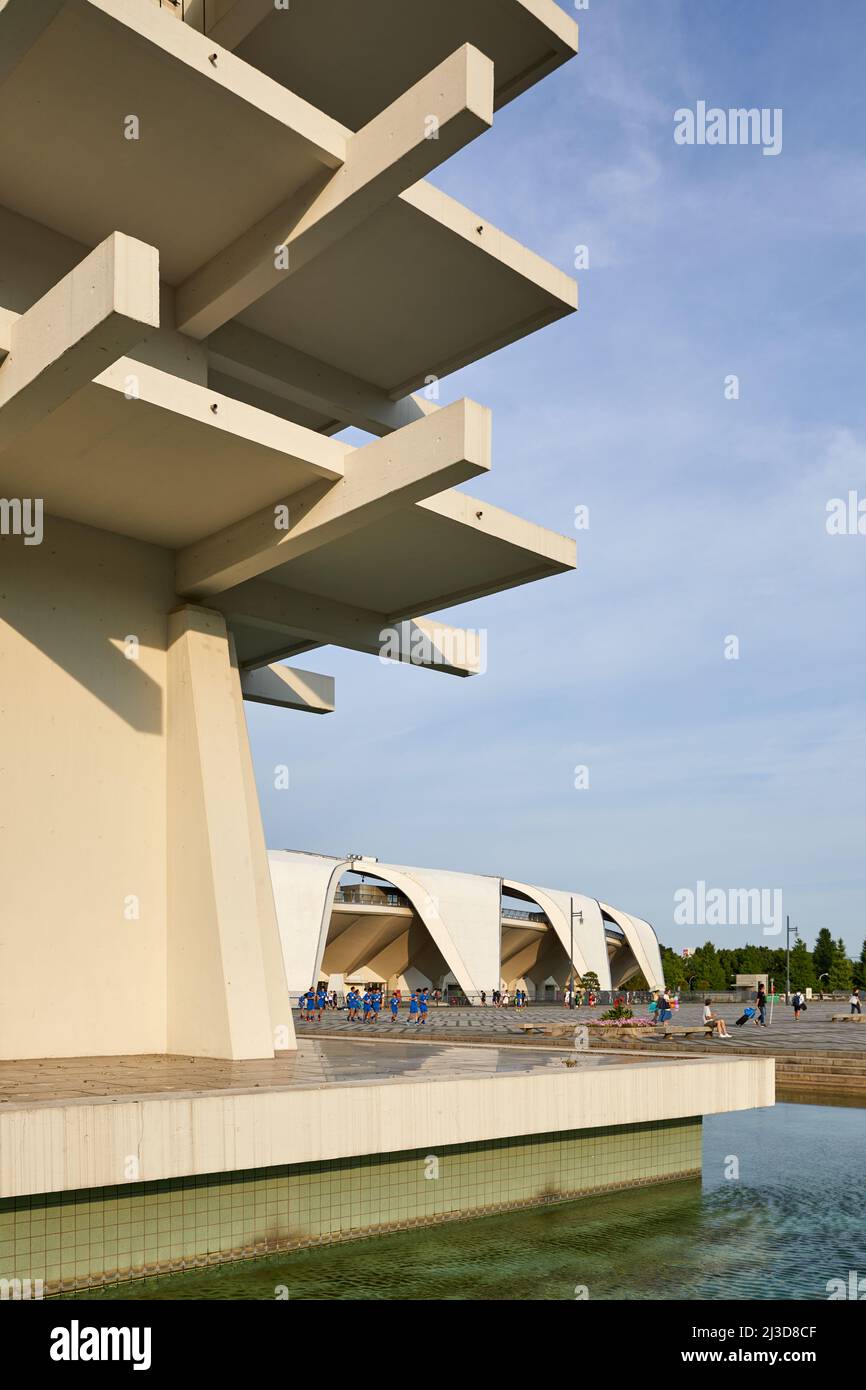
(414, 1009)
(395, 1008)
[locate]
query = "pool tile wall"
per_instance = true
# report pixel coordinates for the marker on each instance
(105, 1235)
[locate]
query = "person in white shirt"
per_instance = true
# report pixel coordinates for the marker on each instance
(854, 1001)
(720, 1028)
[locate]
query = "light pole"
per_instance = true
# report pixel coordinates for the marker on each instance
(579, 915)
(788, 930)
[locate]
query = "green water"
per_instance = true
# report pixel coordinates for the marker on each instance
(791, 1220)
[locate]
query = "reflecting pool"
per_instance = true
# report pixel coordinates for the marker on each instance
(779, 1212)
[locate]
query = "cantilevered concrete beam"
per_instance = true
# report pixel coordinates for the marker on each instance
(380, 479)
(419, 131)
(266, 365)
(92, 317)
(8, 319)
(289, 688)
(313, 619)
(23, 24)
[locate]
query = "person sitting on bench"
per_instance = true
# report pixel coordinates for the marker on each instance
(720, 1028)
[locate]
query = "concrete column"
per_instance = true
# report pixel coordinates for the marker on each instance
(279, 1000)
(220, 999)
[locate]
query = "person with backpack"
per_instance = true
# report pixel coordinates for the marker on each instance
(799, 1005)
(761, 1002)
(854, 1001)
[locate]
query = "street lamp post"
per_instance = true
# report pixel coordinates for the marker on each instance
(788, 930)
(579, 916)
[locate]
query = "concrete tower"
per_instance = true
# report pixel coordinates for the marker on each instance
(217, 251)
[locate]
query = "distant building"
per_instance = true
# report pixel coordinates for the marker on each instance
(463, 932)
(750, 981)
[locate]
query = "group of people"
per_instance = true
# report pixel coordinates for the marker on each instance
(500, 998)
(314, 1002)
(364, 1008)
(582, 998)
(663, 1003)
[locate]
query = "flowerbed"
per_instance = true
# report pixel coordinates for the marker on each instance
(622, 1023)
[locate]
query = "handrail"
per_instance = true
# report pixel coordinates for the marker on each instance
(387, 898)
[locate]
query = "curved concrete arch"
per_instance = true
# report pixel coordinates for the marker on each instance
(460, 912)
(643, 944)
(304, 887)
(416, 886)
(590, 949)
(447, 912)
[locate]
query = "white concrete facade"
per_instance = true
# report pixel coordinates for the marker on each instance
(456, 926)
(192, 252)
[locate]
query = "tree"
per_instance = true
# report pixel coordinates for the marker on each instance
(802, 968)
(674, 968)
(707, 969)
(822, 956)
(590, 982)
(752, 961)
(860, 968)
(840, 967)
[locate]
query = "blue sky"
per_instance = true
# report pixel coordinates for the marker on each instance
(707, 515)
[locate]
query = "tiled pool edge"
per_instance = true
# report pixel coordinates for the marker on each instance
(103, 1236)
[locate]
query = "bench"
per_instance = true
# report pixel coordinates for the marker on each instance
(848, 1018)
(664, 1030)
(684, 1030)
(552, 1030)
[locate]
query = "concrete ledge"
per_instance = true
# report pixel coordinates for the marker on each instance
(64, 1145)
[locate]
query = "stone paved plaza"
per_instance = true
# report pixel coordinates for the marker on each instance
(814, 1031)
